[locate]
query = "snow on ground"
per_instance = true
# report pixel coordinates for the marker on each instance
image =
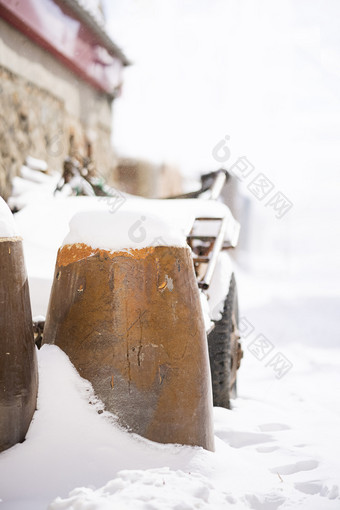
(264, 459)
(7, 223)
(277, 448)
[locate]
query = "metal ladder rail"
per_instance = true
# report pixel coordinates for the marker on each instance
(216, 245)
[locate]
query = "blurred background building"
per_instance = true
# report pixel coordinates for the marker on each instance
(59, 73)
(264, 73)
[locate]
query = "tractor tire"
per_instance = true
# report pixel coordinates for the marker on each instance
(225, 350)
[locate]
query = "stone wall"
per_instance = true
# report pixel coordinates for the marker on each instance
(47, 112)
(32, 122)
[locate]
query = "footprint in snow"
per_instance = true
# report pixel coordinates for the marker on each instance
(265, 501)
(290, 469)
(240, 439)
(267, 449)
(315, 487)
(273, 427)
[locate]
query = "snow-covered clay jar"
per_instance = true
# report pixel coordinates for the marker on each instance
(131, 322)
(18, 363)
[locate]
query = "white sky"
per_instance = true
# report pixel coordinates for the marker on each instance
(264, 72)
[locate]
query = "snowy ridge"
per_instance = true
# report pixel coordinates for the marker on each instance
(148, 489)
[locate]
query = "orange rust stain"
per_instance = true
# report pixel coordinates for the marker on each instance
(79, 251)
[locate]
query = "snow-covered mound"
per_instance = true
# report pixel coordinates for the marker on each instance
(122, 230)
(149, 489)
(33, 185)
(7, 223)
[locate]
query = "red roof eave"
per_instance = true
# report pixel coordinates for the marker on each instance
(58, 30)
